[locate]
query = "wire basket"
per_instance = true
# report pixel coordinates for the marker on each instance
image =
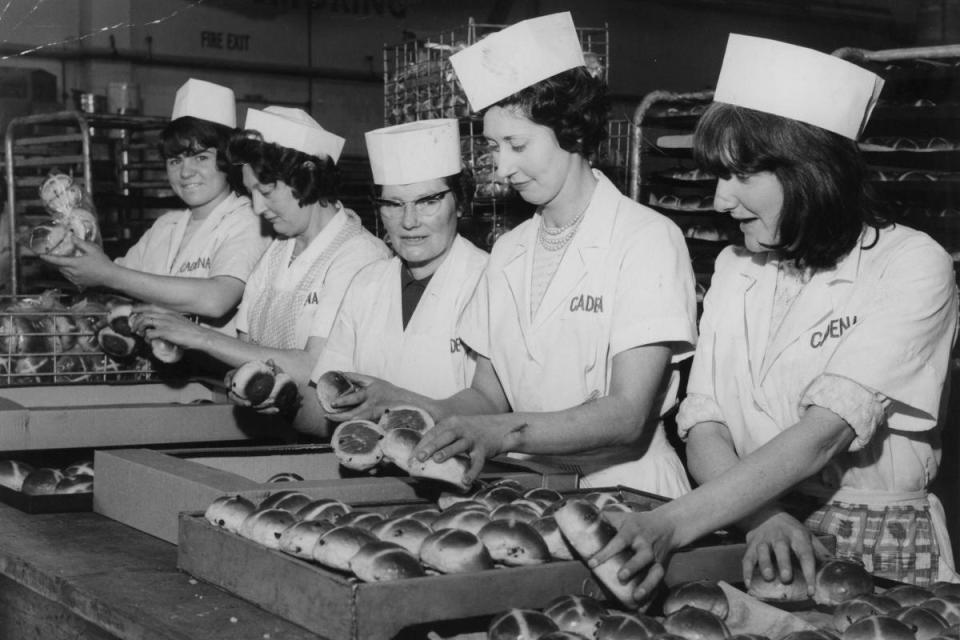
(613, 156)
(51, 339)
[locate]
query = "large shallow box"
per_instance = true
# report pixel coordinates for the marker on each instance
(88, 416)
(341, 608)
(147, 489)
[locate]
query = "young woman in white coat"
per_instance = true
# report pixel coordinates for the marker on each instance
(396, 331)
(289, 166)
(825, 342)
(584, 308)
(198, 259)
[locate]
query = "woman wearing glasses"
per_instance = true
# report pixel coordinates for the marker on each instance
(289, 166)
(396, 330)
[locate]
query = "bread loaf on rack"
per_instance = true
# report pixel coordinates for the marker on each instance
(587, 532)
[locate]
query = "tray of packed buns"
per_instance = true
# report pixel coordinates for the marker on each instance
(372, 569)
(45, 487)
(863, 609)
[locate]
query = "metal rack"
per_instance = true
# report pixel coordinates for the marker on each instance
(113, 157)
(419, 83)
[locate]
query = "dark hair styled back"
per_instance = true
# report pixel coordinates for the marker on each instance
(312, 179)
(189, 136)
(825, 196)
(461, 186)
(572, 103)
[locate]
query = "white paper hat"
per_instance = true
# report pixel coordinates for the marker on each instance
(520, 55)
(414, 152)
(797, 83)
(294, 129)
(207, 101)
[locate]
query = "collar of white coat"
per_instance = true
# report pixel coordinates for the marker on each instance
(230, 205)
(321, 241)
(596, 227)
(844, 272)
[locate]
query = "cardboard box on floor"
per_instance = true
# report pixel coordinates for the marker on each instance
(147, 489)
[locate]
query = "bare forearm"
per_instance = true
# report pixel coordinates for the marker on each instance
(760, 477)
(208, 297)
(234, 352)
(710, 451)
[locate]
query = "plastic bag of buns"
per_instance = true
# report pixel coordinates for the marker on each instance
(72, 217)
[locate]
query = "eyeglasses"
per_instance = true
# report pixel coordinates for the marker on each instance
(426, 206)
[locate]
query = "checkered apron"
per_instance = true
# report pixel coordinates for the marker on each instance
(895, 536)
(272, 318)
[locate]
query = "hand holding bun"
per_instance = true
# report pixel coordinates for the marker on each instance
(776, 590)
(587, 532)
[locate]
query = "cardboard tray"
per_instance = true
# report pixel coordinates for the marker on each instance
(147, 489)
(101, 415)
(342, 608)
(54, 503)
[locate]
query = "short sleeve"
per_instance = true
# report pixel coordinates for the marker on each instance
(352, 257)
(694, 409)
(474, 324)
(860, 407)
(656, 296)
(240, 251)
(900, 344)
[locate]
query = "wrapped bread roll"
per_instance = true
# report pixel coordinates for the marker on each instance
(454, 551)
(380, 561)
(576, 614)
(468, 505)
(75, 484)
(406, 532)
(293, 503)
(878, 628)
(398, 445)
(846, 613)
(514, 511)
(618, 625)
(331, 386)
(421, 513)
(691, 622)
(273, 499)
(467, 519)
(514, 543)
(13, 473)
(520, 623)
(925, 623)
(357, 444)
(337, 547)
(839, 580)
(908, 595)
(702, 594)
(300, 539)
(545, 497)
(42, 481)
(587, 532)
(362, 519)
(229, 512)
(448, 498)
(498, 496)
(323, 509)
(776, 590)
(265, 526)
(452, 470)
(550, 532)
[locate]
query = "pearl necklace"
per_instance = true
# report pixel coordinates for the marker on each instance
(557, 238)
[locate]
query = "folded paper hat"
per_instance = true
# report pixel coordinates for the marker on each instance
(797, 83)
(207, 101)
(414, 152)
(294, 129)
(516, 57)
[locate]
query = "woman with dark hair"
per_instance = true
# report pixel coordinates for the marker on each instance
(825, 341)
(196, 260)
(289, 165)
(396, 331)
(584, 308)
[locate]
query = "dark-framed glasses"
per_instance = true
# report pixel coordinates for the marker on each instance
(425, 206)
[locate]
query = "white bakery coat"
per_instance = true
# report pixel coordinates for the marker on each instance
(229, 242)
(885, 318)
(625, 281)
(315, 316)
(427, 357)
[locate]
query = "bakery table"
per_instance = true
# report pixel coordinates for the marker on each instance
(85, 577)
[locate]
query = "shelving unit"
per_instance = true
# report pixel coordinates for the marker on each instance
(114, 157)
(419, 83)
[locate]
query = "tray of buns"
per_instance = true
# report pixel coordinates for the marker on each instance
(370, 570)
(47, 489)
